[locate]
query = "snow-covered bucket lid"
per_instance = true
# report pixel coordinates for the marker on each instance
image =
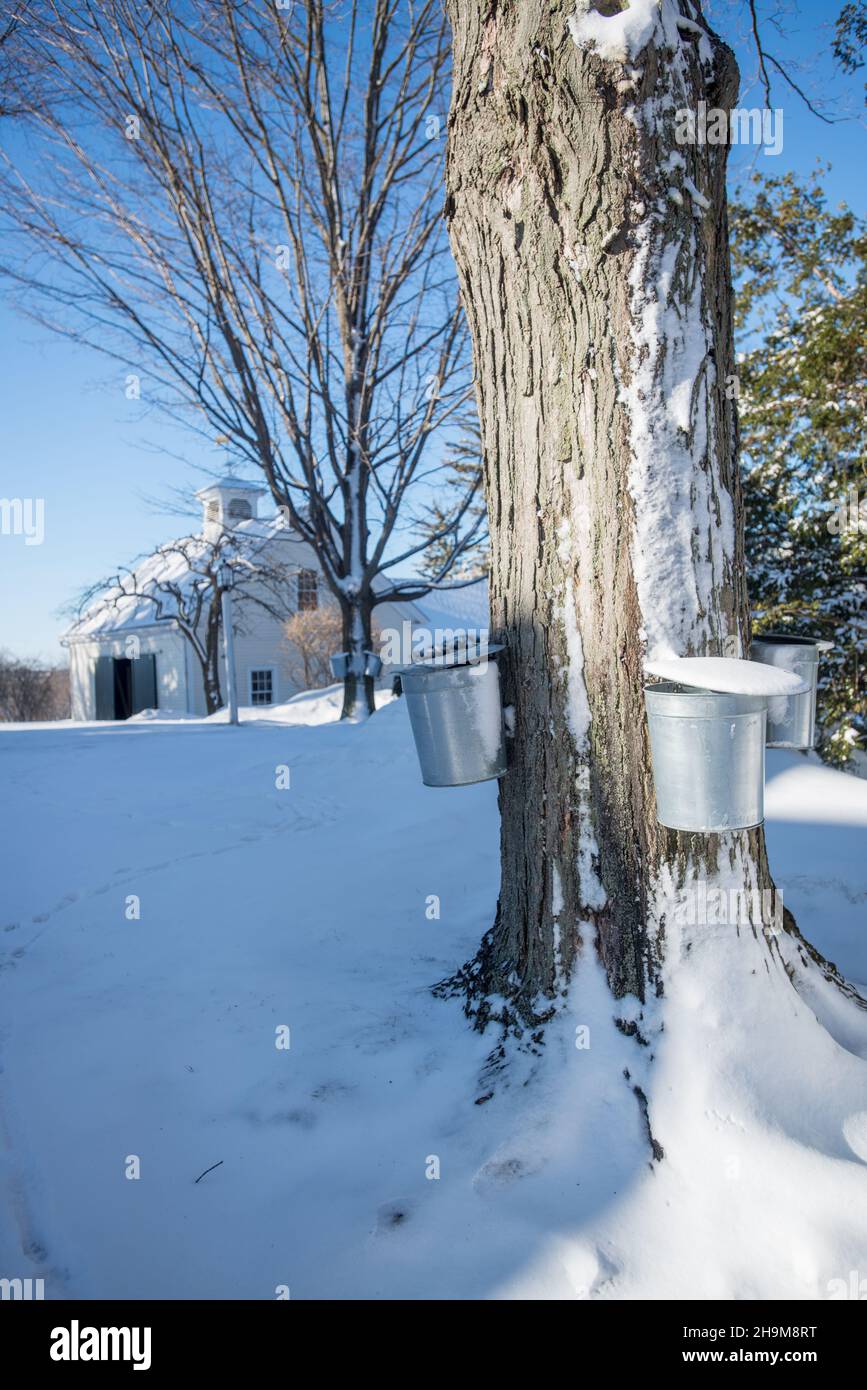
(454, 654)
(671, 700)
(727, 675)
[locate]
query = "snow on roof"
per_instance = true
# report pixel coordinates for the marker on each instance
(119, 611)
(466, 607)
(115, 610)
(231, 485)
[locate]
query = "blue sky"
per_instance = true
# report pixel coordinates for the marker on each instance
(69, 435)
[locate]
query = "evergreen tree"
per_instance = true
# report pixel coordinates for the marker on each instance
(456, 520)
(801, 311)
(850, 37)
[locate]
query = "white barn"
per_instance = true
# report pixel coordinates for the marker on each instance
(123, 660)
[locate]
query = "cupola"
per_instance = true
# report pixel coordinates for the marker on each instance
(226, 503)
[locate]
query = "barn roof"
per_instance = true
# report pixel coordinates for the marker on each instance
(117, 611)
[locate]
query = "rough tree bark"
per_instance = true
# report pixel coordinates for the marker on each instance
(593, 257)
(210, 657)
(357, 616)
(340, 376)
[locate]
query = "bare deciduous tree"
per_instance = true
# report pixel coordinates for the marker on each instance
(32, 690)
(11, 58)
(183, 582)
(241, 203)
(314, 635)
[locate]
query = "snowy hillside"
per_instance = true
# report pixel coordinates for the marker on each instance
(307, 907)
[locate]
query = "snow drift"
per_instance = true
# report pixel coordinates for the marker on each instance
(380, 1156)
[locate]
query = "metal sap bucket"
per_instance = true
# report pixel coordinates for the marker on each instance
(341, 665)
(791, 718)
(708, 752)
(457, 720)
(372, 664)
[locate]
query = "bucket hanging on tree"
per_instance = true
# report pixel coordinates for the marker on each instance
(456, 715)
(708, 751)
(791, 718)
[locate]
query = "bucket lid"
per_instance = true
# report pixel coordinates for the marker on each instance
(727, 675)
(673, 700)
(792, 639)
(456, 654)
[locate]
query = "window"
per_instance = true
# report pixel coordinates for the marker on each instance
(262, 686)
(240, 509)
(308, 591)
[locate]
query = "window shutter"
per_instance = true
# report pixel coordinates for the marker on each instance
(103, 683)
(144, 683)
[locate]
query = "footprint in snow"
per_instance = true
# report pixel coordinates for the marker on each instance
(391, 1215)
(855, 1133)
(303, 1119)
(498, 1173)
(332, 1090)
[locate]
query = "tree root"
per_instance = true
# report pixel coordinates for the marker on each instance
(490, 994)
(810, 955)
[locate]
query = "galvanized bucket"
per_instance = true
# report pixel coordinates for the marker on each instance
(372, 664)
(791, 718)
(457, 720)
(341, 664)
(708, 753)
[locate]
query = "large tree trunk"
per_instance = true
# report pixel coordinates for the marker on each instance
(593, 258)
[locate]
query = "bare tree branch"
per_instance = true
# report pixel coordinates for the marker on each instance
(242, 204)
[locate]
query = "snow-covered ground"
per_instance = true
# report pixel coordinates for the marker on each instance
(264, 907)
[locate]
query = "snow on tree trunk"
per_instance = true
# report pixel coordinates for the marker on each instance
(358, 701)
(593, 255)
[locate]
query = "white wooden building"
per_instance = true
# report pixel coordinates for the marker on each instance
(123, 661)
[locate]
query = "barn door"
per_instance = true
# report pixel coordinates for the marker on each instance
(144, 683)
(103, 684)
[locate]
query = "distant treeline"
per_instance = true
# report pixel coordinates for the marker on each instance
(32, 690)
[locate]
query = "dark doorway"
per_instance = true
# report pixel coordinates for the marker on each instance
(122, 687)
